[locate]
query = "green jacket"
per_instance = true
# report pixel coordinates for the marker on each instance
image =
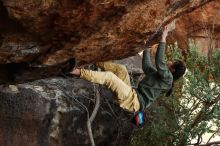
(157, 81)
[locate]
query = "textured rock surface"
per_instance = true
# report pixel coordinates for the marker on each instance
(49, 112)
(202, 25)
(41, 114)
(51, 32)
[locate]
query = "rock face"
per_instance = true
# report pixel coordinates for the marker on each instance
(202, 26)
(52, 113)
(50, 32)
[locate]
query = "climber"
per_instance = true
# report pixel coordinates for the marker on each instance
(157, 81)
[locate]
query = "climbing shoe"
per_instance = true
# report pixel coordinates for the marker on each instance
(71, 63)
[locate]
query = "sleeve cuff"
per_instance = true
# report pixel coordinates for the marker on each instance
(162, 43)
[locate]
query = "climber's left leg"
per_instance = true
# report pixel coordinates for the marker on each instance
(118, 69)
(125, 95)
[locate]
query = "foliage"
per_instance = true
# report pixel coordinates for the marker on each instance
(192, 110)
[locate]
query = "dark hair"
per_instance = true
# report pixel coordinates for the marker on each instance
(179, 70)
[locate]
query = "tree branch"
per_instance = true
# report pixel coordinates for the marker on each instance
(97, 105)
(213, 135)
(209, 144)
(92, 117)
(199, 116)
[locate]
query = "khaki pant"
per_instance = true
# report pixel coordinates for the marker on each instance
(116, 78)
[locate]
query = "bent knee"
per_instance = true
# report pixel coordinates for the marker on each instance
(122, 68)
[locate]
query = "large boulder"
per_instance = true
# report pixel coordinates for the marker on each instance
(54, 112)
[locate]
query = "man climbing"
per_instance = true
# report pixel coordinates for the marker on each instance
(157, 81)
